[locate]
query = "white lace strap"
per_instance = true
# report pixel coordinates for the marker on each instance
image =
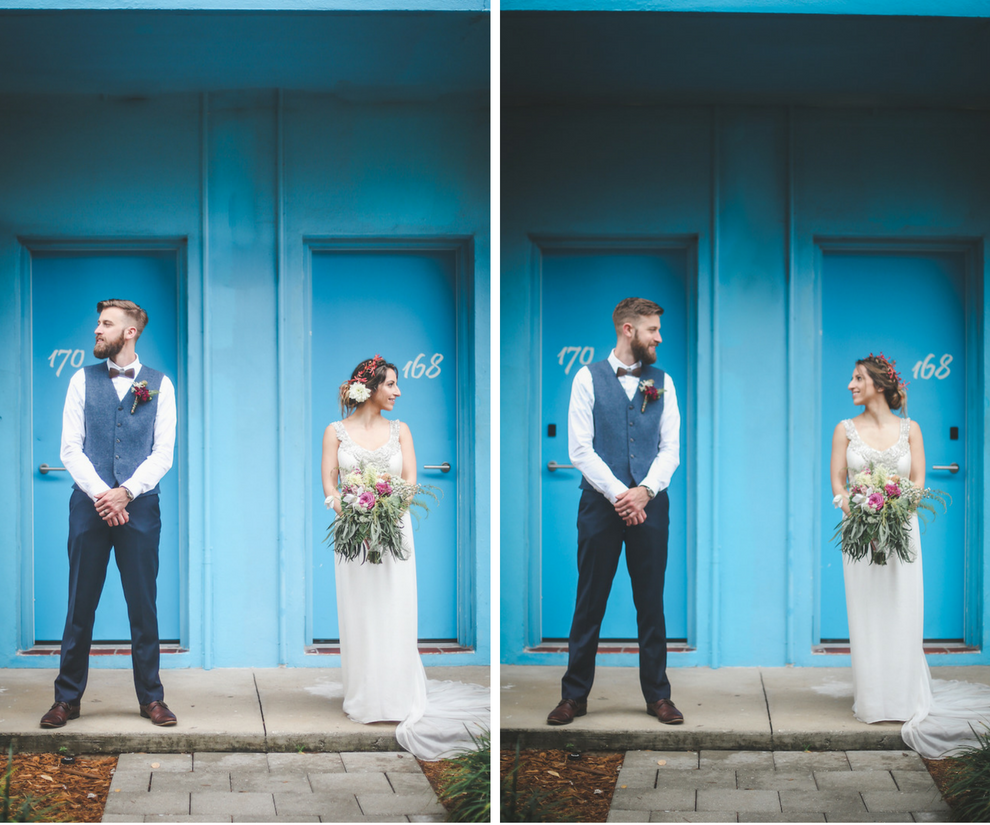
(851, 433)
(394, 428)
(338, 427)
(905, 429)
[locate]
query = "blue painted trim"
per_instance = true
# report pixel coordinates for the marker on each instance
(25, 530)
(900, 8)
(258, 5)
(207, 498)
(714, 591)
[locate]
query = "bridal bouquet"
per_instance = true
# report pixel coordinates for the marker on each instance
(372, 503)
(880, 505)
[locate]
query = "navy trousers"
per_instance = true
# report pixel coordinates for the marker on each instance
(601, 534)
(135, 550)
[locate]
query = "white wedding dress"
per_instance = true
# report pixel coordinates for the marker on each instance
(885, 604)
(383, 676)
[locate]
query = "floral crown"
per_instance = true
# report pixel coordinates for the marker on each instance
(887, 366)
(356, 388)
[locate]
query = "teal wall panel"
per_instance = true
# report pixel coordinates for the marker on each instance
(759, 189)
(241, 181)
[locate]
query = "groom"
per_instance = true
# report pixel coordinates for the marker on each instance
(118, 433)
(623, 428)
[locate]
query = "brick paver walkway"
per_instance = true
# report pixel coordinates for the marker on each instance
(274, 787)
(780, 786)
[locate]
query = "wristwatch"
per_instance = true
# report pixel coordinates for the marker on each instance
(649, 492)
(128, 493)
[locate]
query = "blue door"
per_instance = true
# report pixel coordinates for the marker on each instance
(910, 306)
(403, 306)
(65, 289)
(580, 288)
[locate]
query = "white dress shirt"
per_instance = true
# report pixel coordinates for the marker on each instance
(152, 469)
(581, 433)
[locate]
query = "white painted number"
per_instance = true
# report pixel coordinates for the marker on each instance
(926, 369)
(583, 356)
(74, 357)
(417, 369)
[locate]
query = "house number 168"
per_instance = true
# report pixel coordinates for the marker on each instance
(926, 369)
(418, 368)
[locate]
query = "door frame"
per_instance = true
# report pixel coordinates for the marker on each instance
(462, 247)
(29, 247)
(691, 393)
(805, 513)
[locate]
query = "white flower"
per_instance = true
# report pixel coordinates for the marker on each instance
(358, 392)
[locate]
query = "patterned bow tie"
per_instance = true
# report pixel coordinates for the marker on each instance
(128, 373)
(623, 371)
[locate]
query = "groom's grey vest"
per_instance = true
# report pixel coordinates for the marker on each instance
(626, 438)
(117, 442)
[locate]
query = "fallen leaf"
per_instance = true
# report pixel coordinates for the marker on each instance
(46, 776)
(661, 761)
(554, 773)
(156, 764)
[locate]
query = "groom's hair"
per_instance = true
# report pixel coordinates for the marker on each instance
(137, 316)
(629, 309)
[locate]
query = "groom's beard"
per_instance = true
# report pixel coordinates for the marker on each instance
(641, 352)
(108, 349)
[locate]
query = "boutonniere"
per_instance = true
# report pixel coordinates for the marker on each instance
(650, 393)
(142, 394)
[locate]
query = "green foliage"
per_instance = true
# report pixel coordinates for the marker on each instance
(26, 811)
(968, 786)
(468, 791)
(526, 805)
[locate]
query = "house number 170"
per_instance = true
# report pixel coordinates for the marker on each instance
(73, 356)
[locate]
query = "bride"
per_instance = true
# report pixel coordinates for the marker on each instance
(384, 678)
(885, 603)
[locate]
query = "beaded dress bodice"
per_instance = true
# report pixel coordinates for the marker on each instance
(895, 459)
(351, 455)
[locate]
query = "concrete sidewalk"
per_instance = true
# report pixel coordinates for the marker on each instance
(226, 709)
(754, 709)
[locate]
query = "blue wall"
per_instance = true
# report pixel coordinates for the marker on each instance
(241, 176)
(755, 186)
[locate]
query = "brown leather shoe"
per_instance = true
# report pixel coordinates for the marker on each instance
(59, 714)
(159, 714)
(665, 711)
(566, 710)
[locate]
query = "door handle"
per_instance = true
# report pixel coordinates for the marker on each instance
(952, 468)
(44, 469)
(443, 468)
(553, 465)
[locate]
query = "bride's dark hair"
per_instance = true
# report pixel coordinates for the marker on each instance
(370, 374)
(886, 379)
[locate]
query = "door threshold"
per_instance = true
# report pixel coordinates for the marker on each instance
(425, 646)
(111, 649)
(933, 646)
(610, 646)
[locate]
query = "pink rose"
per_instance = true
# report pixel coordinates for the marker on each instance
(367, 500)
(384, 488)
(893, 490)
(875, 501)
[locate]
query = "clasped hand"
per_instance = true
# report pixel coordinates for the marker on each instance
(631, 505)
(112, 506)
